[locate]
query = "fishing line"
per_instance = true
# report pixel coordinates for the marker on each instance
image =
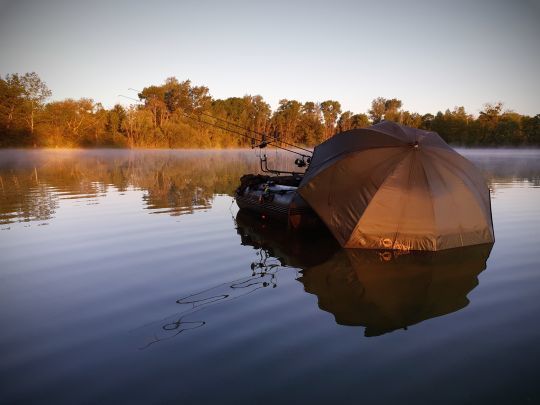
(262, 142)
(255, 132)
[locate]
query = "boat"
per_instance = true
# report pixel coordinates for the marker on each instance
(273, 195)
(276, 198)
(387, 186)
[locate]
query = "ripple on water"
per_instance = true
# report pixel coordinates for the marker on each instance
(140, 245)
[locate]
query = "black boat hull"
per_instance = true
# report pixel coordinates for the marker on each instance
(276, 198)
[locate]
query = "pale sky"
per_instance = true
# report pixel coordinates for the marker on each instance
(432, 55)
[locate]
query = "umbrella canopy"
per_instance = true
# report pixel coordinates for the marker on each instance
(394, 187)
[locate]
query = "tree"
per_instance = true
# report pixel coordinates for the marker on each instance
(488, 121)
(491, 112)
(286, 119)
(177, 94)
(115, 119)
(11, 99)
(426, 121)
(137, 123)
(177, 114)
(359, 121)
(387, 109)
(378, 108)
(392, 110)
(35, 93)
(259, 112)
(330, 110)
(310, 129)
(531, 129)
(154, 101)
(509, 129)
(71, 118)
(344, 122)
(200, 98)
(411, 119)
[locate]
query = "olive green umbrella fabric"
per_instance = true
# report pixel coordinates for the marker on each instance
(394, 187)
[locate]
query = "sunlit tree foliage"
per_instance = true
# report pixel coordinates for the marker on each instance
(178, 114)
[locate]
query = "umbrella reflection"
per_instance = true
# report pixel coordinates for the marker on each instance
(380, 290)
(384, 292)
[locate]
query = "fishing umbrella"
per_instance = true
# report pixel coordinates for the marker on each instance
(394, 187)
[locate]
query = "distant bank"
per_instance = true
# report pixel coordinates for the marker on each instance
(177, 115)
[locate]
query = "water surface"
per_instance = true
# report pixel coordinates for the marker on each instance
(130, 276)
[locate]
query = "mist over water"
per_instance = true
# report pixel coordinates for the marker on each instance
(130, 276)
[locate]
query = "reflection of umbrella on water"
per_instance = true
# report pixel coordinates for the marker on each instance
(380, 290)
(384, 292)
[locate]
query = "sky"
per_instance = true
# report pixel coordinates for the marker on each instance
(432, 55)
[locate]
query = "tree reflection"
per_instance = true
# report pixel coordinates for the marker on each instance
(33, 183)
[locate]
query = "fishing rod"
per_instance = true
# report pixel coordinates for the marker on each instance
(255, 132)
(262, 143)
(263, 135)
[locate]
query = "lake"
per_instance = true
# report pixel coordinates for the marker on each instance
(130, 276)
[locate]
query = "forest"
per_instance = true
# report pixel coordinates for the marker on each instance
(178, 114)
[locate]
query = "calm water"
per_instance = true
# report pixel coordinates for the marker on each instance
(130, 277)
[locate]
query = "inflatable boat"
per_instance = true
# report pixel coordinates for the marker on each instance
(276, 198)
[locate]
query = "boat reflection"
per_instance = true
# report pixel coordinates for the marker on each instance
(380, 290)
(294, 249)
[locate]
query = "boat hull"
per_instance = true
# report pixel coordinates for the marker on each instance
(274, 198)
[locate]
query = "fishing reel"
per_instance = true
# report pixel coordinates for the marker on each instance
(302, 162)
(261, 145)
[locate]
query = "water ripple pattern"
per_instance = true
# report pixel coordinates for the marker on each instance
(131, 277)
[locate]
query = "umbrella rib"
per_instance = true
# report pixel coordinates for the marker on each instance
(348, 152)
(473, 185)
(443, 182)
(395, 161)
(447, 163)
(431, 199)
(391, 134)
(399, 158)
(406, 194)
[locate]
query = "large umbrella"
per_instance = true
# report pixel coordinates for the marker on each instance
(394, 187)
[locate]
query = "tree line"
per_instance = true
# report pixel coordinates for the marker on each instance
(177, 114)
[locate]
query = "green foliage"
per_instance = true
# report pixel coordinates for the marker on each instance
(330, 110)
(180, 115)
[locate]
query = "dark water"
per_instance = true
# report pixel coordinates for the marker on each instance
(129, 277)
